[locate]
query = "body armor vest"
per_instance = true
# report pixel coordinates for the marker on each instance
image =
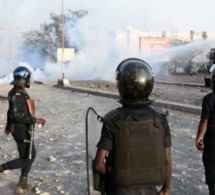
(139, 153)
(10, 113)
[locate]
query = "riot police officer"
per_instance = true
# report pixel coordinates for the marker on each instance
(19, 121)
(207, 127)
(134, 150)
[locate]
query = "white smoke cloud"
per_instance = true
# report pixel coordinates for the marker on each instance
(96, 59)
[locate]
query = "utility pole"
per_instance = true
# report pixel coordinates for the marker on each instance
(62, 17)
(10, 45)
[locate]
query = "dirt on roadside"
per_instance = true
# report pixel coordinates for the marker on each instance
(175, 93)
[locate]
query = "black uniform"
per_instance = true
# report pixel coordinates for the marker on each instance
(19, 121)
(107, 142)
(208, 112)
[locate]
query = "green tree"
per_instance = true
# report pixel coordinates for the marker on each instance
(40, 45)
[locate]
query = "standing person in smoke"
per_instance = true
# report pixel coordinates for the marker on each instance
(134, 151)
(207, 127)
(19, 123)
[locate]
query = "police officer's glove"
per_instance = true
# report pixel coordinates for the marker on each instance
(41, 121)
(7, 130)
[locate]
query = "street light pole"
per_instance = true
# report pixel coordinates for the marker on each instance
(10, 46)
(62, 17)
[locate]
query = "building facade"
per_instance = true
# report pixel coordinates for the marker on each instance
(129, 38)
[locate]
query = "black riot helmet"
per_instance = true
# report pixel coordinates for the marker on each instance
(135, 81)
(21, 75)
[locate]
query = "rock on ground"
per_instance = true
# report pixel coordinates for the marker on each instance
(60, 165)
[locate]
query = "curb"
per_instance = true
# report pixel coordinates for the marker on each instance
(164, 104)
(181, 84)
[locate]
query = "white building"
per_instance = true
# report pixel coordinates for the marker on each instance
(128, 39)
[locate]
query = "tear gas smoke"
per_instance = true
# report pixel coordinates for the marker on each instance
(98, 57)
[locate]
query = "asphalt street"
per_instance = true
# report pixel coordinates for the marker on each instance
(60, 166)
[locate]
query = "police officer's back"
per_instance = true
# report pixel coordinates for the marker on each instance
(136, 140)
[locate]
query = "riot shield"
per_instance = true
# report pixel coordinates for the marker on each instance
(93, 133)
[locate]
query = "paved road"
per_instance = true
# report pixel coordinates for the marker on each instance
(63, 138)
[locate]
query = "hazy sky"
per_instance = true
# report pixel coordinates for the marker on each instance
(144, 14)
(197, 15)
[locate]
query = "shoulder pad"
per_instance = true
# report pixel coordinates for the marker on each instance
(160, 110)
(21, 92)
(114, 118)
(111, 114)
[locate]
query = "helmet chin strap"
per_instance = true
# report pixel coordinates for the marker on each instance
(24, 85)
(27, 84)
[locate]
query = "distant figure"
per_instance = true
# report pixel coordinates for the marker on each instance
(20, 122)
(207, 127)
(212, 68)
(134, 151)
